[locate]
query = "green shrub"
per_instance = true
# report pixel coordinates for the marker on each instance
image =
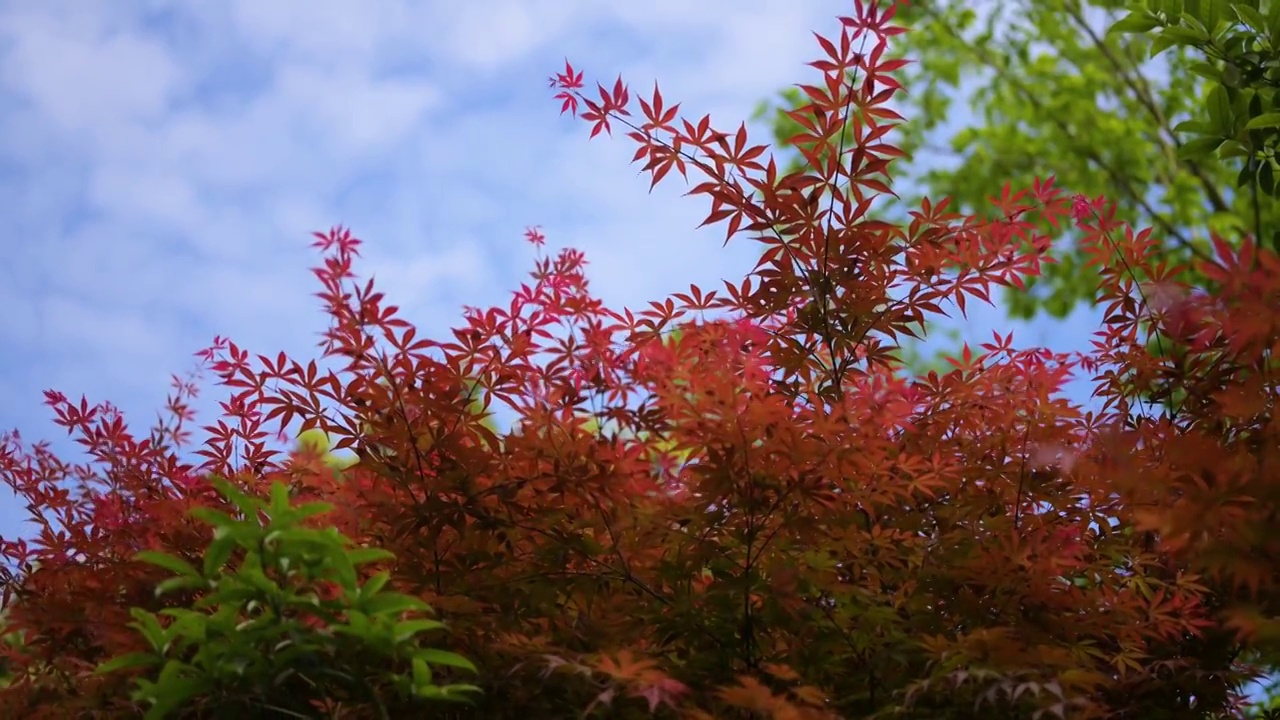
(289, 630)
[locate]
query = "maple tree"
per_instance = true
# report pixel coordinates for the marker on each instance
(731, 503)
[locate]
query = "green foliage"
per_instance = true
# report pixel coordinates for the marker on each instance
(288, 630)
(1234, 45)
(1055, 94)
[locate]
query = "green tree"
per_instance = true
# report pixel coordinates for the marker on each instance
(1053, 93)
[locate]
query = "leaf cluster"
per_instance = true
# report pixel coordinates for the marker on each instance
(289, 631)
(1237, 44)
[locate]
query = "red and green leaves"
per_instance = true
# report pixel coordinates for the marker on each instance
(733, 498)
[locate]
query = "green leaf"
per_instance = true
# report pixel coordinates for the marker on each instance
(302, 512)
(1265, 120)
(421, 672)
(244, 503)
(127, 662)
(364, 556)
(165, 587)
(1246, 175)
(1267, 178)
(342, 569)
(1221, 114)
(408, 628)
(215, 518)
(174, 564)
(358, 625)
(1138, 21)
(279, 498)
(1231, 75)
(1206, 70)
(447, 692)
(1193, 126)
(444, 657)
(1250, 16)
(296, 541)
(374, 585)
(175, 686)
(1183, 35)
(147, 624)
(217, 554)
(1161, 43)
(1199, 148)
(256, 579)
(1197, 21)
(392, 603)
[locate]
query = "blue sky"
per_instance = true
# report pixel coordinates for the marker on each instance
(163, 162)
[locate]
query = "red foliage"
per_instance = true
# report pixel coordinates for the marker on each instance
(759, 511)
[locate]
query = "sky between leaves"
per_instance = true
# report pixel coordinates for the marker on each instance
(163, 162)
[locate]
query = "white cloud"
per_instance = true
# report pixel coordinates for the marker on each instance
(83, 80)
